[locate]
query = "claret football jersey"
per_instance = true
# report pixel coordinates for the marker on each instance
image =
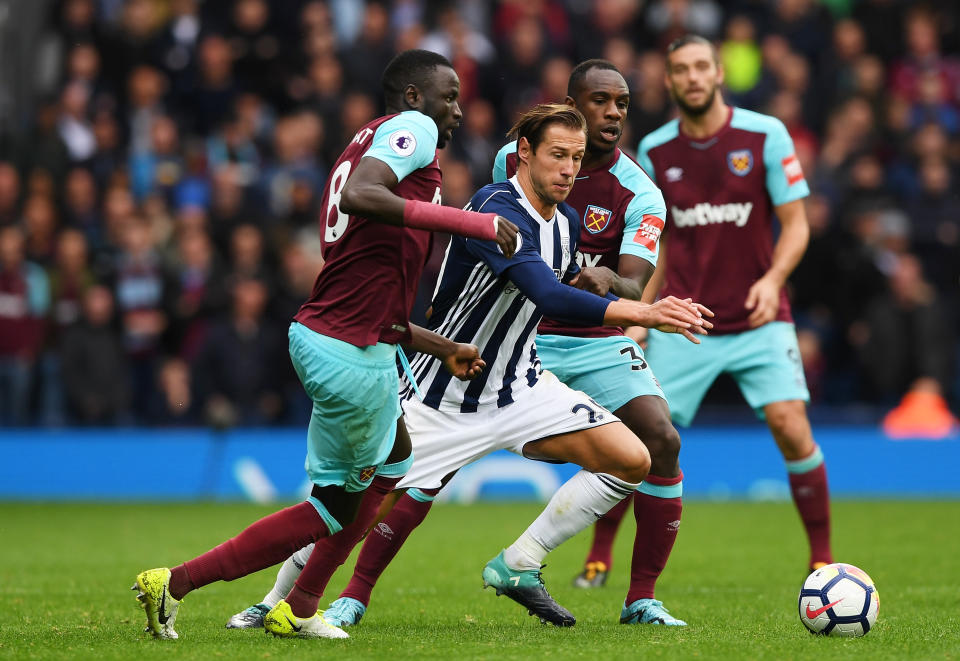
(368, 283)
(720, 194)
(620, 211)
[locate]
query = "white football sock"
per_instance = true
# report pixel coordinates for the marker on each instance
(287, 576)
(576, 505)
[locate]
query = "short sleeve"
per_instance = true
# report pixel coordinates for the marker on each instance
(785, 180)
(406, 142)
(643, 158)
(500, 162)
(643, 224)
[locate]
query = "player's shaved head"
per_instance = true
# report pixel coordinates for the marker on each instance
(579, 74)
(410, 67)
(533, 123)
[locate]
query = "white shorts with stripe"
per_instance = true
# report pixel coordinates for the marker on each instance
(445, 441)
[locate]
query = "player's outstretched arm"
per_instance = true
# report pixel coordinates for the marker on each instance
(368, 192)
(461, 360)
(763, 298)
(669, 315)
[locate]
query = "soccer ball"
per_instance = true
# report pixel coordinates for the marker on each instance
(839, 600)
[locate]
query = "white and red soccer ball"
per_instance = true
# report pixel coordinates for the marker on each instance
(839, 600)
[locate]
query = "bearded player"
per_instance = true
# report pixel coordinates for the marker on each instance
(725, 173)
(379, 207)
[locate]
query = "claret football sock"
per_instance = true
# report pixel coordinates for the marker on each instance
(263, 544)
(811, 495)
(657, 507)
(605, 531)
(331, 552)
(577, 503)
(385, 540)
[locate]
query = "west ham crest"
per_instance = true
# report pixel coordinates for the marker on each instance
(740, 162)
(596, 219)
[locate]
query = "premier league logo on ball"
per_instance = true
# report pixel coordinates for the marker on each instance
(740, 162)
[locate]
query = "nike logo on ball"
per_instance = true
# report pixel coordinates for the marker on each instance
(814, 613)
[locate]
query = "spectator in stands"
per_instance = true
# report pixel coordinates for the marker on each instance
(24, 304)
(160, 167)
(239, 372)
(9, 194)
(176, 405)
(178, 102)
(905, 335)
(140, 286)
(197, 293)
(93, 369)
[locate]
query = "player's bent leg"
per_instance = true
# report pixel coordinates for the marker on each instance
(612, 456)
(378, 550)
(807, 473)
(657, 508)
(599, 560)
(611, 448)
(252, 616)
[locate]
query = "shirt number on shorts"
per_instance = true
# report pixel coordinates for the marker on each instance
(593, 415)
(634, 356)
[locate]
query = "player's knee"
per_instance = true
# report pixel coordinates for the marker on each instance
(663, 443)
(789, 425)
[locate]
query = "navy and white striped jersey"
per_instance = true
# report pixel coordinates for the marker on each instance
(476, 302)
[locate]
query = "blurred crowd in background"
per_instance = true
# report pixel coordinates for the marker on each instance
(158, 204)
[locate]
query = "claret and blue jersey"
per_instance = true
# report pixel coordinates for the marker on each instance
(368, 261)
(480, 299)
(721, 192)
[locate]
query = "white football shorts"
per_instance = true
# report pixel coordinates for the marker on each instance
(445, 441)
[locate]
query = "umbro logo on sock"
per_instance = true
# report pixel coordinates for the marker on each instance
(673, 525)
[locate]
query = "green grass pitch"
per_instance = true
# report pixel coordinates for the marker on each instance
(66, 570)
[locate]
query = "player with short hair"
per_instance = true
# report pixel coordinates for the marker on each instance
(725, 173)
(379, 207)
(498, 305)
(622, 213)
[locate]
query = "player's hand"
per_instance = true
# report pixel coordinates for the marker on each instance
(595, 279)
(464, 361)
(764, 301)
(673, 315)
(506, 236)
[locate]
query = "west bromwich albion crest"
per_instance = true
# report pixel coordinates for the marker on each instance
(596, 219)
(740, 162)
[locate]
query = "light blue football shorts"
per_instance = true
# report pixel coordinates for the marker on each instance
(355, 406)
(611, 370)
(765, 363)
